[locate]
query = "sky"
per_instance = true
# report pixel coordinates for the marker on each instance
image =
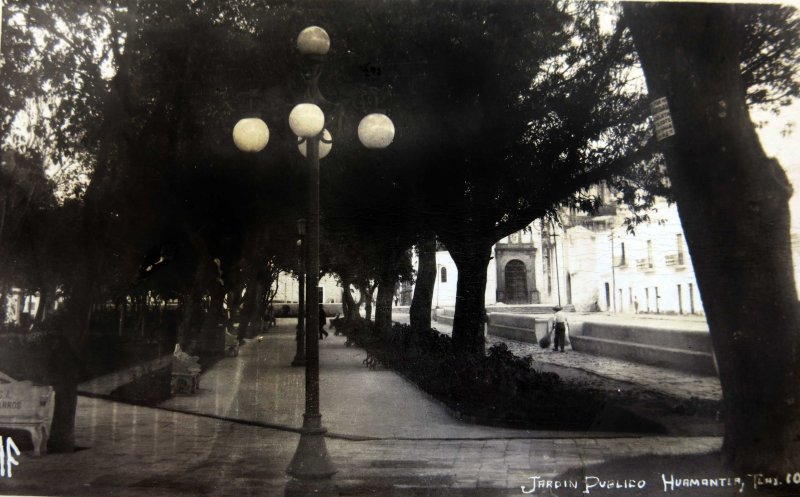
(784, 148)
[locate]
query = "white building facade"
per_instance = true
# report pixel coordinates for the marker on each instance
(609, 268)
(592, 262)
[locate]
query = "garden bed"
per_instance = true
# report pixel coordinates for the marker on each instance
(149, 389)
(499, 389)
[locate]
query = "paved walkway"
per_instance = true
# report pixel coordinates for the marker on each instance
(673, 383)
(235, 437)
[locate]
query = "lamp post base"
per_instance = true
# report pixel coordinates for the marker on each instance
(311, 460)
(310, 488)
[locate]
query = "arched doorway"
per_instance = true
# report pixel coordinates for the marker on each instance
(516, 278)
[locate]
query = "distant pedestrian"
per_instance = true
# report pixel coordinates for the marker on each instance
(636, 305)
(559, 329)
(271, 316)
(322, 318)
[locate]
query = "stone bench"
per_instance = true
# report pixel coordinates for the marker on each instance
(520, 327)
(25, 406)
(185, 373)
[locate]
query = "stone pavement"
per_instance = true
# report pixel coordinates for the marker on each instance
(673, 383)
(236, 437)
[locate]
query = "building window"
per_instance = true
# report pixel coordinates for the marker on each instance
(679, 241)
(650, 253)
(444, 275)
(622, 254)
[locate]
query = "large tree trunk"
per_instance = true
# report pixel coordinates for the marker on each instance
(3, 304)
(92, 235)
(41, 308)
(63, 369)
(472, 260)
(733, 203)
(122, 307)
(383, 305)
(349, 306)
(187, 329)
(250, 308)
(367, 291)
(212, 334)
(65, 359)
(420, 312)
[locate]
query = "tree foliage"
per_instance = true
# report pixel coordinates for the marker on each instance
(770, 54)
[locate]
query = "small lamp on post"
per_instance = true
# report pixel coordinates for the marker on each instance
(300, 338)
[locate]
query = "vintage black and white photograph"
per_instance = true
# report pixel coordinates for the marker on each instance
(399, 248)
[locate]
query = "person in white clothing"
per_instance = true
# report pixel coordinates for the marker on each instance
(559, 329)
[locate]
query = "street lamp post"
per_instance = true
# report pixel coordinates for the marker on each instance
(311, 462)
(300, 354)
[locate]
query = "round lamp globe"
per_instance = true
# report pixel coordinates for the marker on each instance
(313, 41)
(251, 134)
(376, 131)
(306, 120)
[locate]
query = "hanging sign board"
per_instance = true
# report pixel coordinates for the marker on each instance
(662, 119)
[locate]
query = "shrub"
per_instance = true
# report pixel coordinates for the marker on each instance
(499, 388)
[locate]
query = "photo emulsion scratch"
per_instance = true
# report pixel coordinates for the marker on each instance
(460, 248)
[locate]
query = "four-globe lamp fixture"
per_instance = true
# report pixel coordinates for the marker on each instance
(311, 463)
(307, 120)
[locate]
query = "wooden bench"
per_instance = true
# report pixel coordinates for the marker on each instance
(25, 406)
(185, 372)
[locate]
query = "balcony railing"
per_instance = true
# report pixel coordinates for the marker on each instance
(644, 264)
(674, 260)
(620, 261)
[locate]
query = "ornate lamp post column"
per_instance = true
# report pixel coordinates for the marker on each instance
(311, 461)
(300, 354)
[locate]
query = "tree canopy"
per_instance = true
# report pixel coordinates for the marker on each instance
(503, 111)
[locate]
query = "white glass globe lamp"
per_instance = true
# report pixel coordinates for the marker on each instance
(313, 41)
(251, 134)
(376, 131)
(306, 120)
(325, 145)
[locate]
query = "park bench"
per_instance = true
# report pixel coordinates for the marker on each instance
(185, 372)
(25, 406)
